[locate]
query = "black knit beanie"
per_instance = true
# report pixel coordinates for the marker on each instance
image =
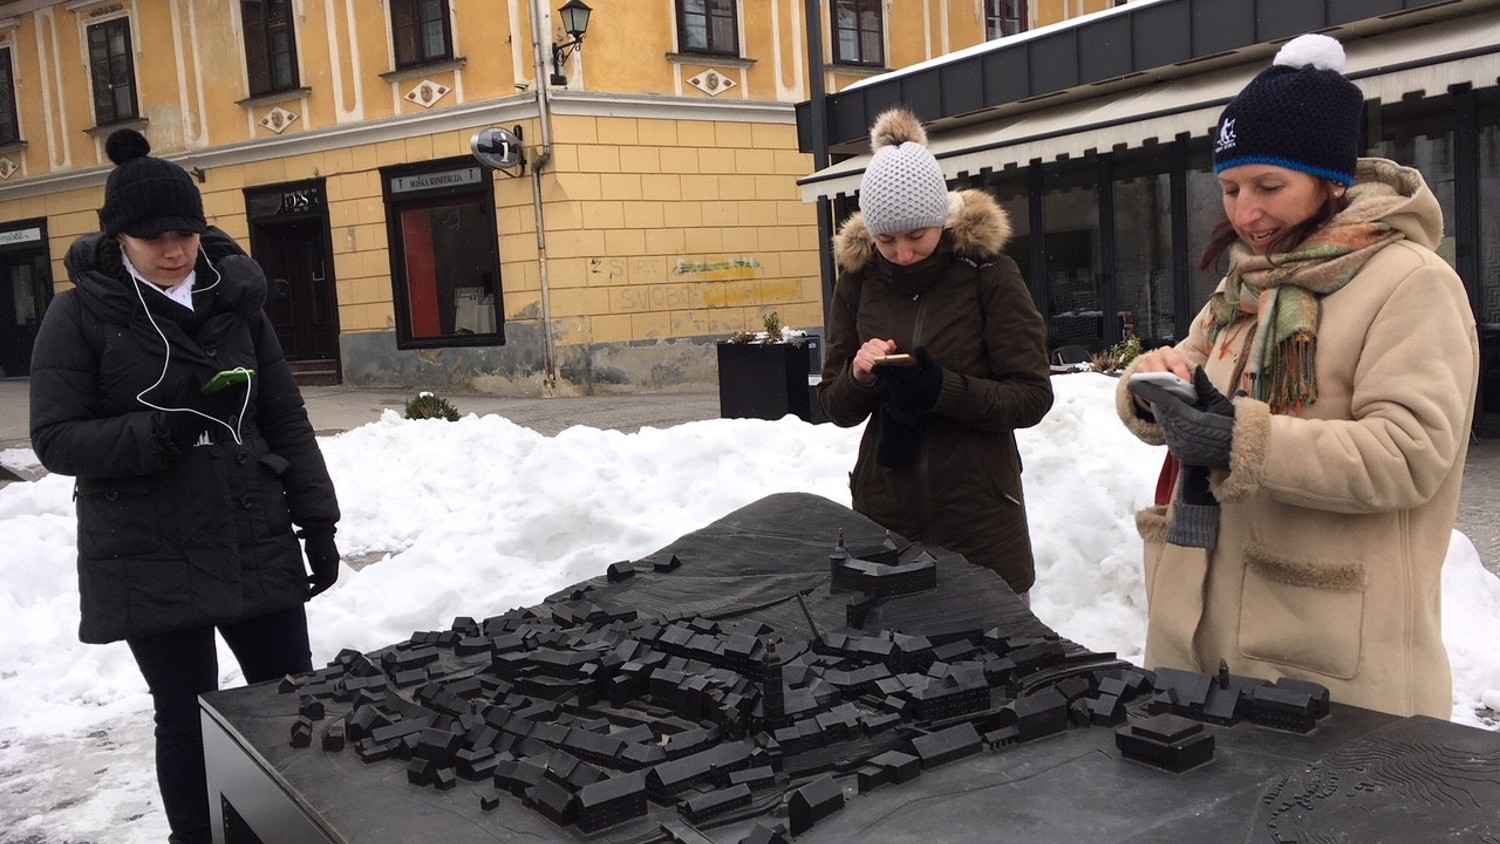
(1300, 113)
(146, 196)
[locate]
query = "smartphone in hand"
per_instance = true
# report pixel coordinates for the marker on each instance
(896, 360)
(1168, 381)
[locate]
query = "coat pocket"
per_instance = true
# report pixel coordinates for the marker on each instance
(278, 513)
(120, 518)
(1304, 616)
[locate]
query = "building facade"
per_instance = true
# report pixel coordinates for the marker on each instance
(649, 209)
(1095, 136)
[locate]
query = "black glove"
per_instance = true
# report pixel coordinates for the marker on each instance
(322, 557)
(1196, 437)
(914, 388)
(1209, 397)
(188, 417)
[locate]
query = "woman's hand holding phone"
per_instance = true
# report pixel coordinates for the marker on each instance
(868, 357)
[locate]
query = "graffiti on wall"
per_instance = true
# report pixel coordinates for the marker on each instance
(652, 284)
(717, 269)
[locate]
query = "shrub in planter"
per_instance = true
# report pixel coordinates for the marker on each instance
(1112, 361)
(429, 406)
(764, 375)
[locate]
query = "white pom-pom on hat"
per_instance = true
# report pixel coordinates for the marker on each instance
(1319, 51)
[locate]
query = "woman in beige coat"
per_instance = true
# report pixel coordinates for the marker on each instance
(1311, 514)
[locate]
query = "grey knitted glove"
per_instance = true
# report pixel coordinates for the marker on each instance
(1195, 514)
(1196, 437)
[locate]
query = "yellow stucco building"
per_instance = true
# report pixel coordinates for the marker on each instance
(656, 209)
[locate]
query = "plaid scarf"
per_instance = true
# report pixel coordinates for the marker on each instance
(1287, 289)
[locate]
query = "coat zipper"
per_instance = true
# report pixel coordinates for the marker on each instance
(924, 485)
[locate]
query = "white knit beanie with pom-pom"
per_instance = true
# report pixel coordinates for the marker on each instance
(903, 188)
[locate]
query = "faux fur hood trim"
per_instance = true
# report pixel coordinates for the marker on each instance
(980, 228)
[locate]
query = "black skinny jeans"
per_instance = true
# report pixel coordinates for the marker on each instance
(180, 666)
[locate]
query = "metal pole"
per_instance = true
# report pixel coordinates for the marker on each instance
(818, 113)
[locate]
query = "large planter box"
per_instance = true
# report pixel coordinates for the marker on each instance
(764, 381)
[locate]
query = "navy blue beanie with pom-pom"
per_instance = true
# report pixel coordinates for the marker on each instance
(146, 196)
(1300, 113)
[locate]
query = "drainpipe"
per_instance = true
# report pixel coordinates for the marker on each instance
(540, 45)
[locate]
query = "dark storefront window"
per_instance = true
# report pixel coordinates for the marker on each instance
(1487, 296)
(444, 254)
(1420, 134)
(25, 289)
(1070, 238)
(1010, 191)
(1205, 208)
(1143, 247)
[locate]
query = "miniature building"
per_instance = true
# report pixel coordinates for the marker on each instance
(814, 802)
(1284, 707)
(702, 807)
(1169, 742)
(766, 835)
(950, 697)
(552, 801)
(608, 802)
(1035, 716)
(945, 746)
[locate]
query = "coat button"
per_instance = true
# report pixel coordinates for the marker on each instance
(246, 502)
(213, 353)
(242, 457)
(112, 495)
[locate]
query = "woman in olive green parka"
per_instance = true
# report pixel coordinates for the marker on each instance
(922, 273)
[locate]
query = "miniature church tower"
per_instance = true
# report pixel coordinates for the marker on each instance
(838, 557)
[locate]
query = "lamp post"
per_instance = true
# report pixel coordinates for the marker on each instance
(575, 17)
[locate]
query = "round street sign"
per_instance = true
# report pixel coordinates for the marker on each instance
(498, 148)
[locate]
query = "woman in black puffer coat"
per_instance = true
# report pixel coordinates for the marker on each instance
(187, 502)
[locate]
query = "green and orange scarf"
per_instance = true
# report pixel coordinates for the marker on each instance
(1284, 291)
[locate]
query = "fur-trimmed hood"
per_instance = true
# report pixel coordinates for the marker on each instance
(980, 229)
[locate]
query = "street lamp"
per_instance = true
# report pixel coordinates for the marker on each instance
(575, 17)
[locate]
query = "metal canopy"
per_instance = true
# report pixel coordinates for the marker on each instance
(1426, 59)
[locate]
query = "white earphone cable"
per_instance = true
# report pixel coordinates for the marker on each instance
(234, 430)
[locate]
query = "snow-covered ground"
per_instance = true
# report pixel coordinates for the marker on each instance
(479, 516)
